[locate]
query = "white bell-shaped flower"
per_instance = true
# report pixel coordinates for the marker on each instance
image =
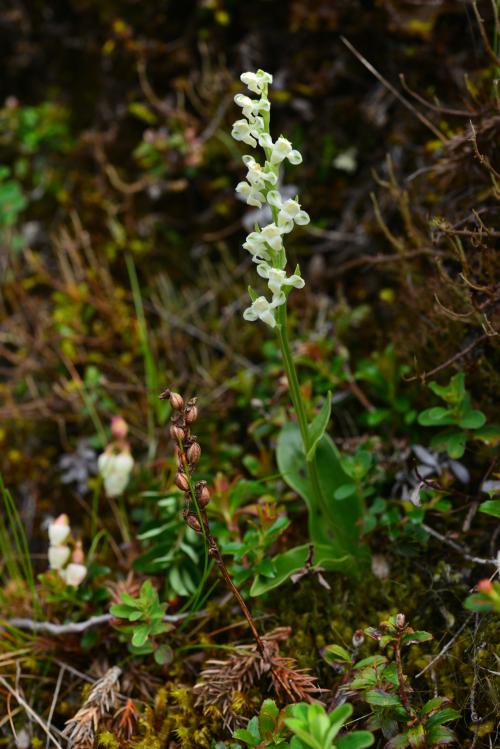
(115, 469)
(58, 556)
(74, 574)
(256, 246)
(59, 530)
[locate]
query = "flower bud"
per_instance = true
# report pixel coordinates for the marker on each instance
(176, 433)
(182, 482)
(358, 638)
(202, 493)
(119, 427)
(485, 586)
(400, 621)
(78, 557)
(177, 401)
(59, 530)
(193, 522)
(194, 453)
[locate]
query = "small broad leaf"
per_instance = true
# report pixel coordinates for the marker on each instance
(336, 654)
(491, 507)
(382, 699)
(316, 428)
(439, 735)
(163, 655)
(472, 420)
(140, 635)
(436, 416)
(442, 716)
(123, 611)
(489, 434)
(414, 637)
(355, 740)
(344, 491)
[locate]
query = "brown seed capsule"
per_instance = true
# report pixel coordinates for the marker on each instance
(177, 401)
(193, 522)
(176, 433)
(194, 453)
(202, 493)
(191, 414)
(182, 482)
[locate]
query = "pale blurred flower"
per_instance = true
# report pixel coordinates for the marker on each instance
(74, 574)
(115, 469)
(58, 556)
(59, 530)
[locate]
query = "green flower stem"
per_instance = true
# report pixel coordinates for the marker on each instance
(298, 403)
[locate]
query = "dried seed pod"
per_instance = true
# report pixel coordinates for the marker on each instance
(194, 453)
(182, 482)
(177, 433)
(193, 522)
(191, 411)
(202, 493)
(177, 401)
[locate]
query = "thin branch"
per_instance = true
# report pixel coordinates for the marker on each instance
(446, 647)
(457, 548)
(435, 107)
(30, 711)
(394, 91)
(449, 361)
(77, 627)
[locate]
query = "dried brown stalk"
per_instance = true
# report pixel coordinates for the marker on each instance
(226, 682)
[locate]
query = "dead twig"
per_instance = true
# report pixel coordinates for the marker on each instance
(449, 361)
(445, 648)
(459, 549)
(30, 712)
(394, 91)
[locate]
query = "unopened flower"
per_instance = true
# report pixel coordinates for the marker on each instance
(115, 469)
(58, 556)
(59, 530)
(119, 427)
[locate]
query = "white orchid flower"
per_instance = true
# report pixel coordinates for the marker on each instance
(262, 309)
(271, 234)
(265, 244)
(277, 279)
(251, 195)
(256, 81)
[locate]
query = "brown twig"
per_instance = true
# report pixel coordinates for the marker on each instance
(449, 361)
(394, 91)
